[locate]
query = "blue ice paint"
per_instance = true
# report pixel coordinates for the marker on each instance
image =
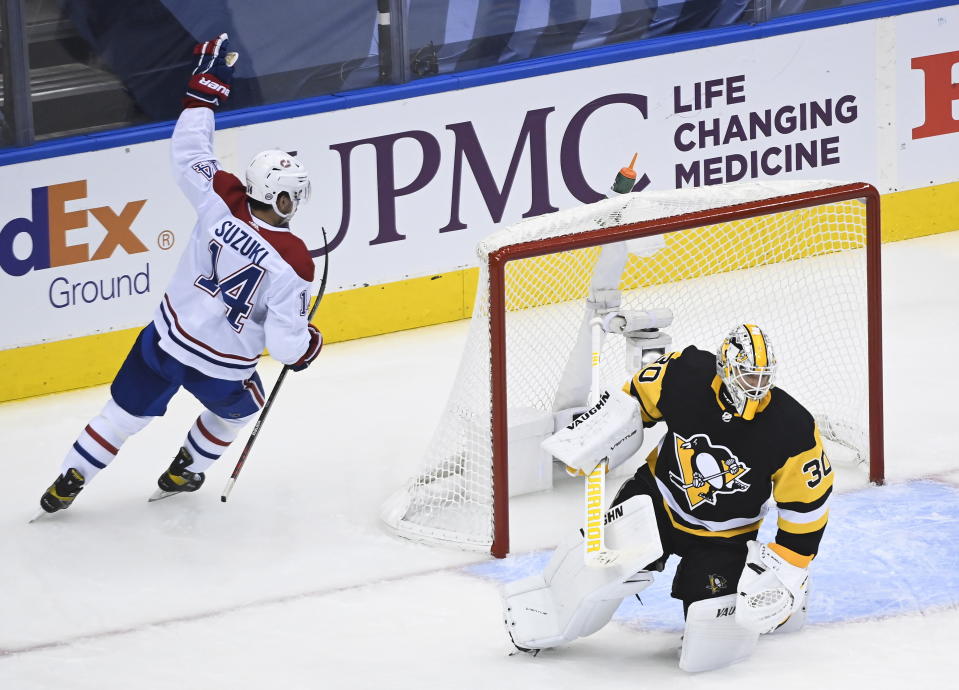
(887, 551)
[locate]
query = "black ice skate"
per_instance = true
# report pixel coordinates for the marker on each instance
(62, 492)
(177, 479)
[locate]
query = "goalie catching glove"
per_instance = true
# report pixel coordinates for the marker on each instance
(209, 86)
(771, 589)
(611, 429)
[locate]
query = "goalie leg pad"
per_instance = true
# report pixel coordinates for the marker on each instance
(712, 639)
(570, 599)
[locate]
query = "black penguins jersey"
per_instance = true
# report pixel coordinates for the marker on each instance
(716, 471)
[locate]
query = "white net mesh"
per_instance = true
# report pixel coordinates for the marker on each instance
(800, 274)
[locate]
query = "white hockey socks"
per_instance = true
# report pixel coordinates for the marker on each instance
(210, 436)
(570, 599)
(101, 439)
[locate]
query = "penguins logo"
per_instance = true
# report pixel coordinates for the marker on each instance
(706, 470)
(715, 584)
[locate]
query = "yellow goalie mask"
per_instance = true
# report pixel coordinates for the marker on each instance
(746, 364)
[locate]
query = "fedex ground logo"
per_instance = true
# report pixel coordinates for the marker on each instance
(63, 230)
(43, 240)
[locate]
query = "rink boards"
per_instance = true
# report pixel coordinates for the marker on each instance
(405, 187)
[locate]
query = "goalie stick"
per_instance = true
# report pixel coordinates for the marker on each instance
(276, 387)
(596, 553)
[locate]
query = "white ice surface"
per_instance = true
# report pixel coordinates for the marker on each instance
(294, 584)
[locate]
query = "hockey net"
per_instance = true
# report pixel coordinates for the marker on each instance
(799, 258)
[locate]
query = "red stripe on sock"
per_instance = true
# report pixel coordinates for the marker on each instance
(102, 441)
(208, 436)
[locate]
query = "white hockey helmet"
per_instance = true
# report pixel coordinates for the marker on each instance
(747, 366)
(273, 172)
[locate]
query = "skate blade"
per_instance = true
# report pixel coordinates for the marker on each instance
(160, 494)
(521, 651)
(41, 513)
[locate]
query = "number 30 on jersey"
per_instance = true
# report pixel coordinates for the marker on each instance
(816, 469)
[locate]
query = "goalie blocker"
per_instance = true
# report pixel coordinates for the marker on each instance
(612, 429)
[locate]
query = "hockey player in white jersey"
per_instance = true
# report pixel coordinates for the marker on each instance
(242, 285)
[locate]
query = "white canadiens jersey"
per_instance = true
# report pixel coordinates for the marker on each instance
(241, 285)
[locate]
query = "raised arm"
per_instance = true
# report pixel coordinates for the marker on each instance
(191, 154)
(192, 158)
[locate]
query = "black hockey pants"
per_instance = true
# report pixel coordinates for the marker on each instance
(708, 566)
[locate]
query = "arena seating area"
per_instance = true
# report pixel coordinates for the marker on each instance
(103, 65)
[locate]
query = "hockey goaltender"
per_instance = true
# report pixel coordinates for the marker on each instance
(732, 440)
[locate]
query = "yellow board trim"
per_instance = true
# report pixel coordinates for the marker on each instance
(63, 365)
(93, 360)
(920, 212)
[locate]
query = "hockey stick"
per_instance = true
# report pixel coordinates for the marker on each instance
(276, 387)
(699, 480)
(595, 553)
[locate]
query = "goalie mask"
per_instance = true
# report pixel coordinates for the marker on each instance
(273, 172)
(747, 366)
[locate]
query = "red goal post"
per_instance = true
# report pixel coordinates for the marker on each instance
(811, 250)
